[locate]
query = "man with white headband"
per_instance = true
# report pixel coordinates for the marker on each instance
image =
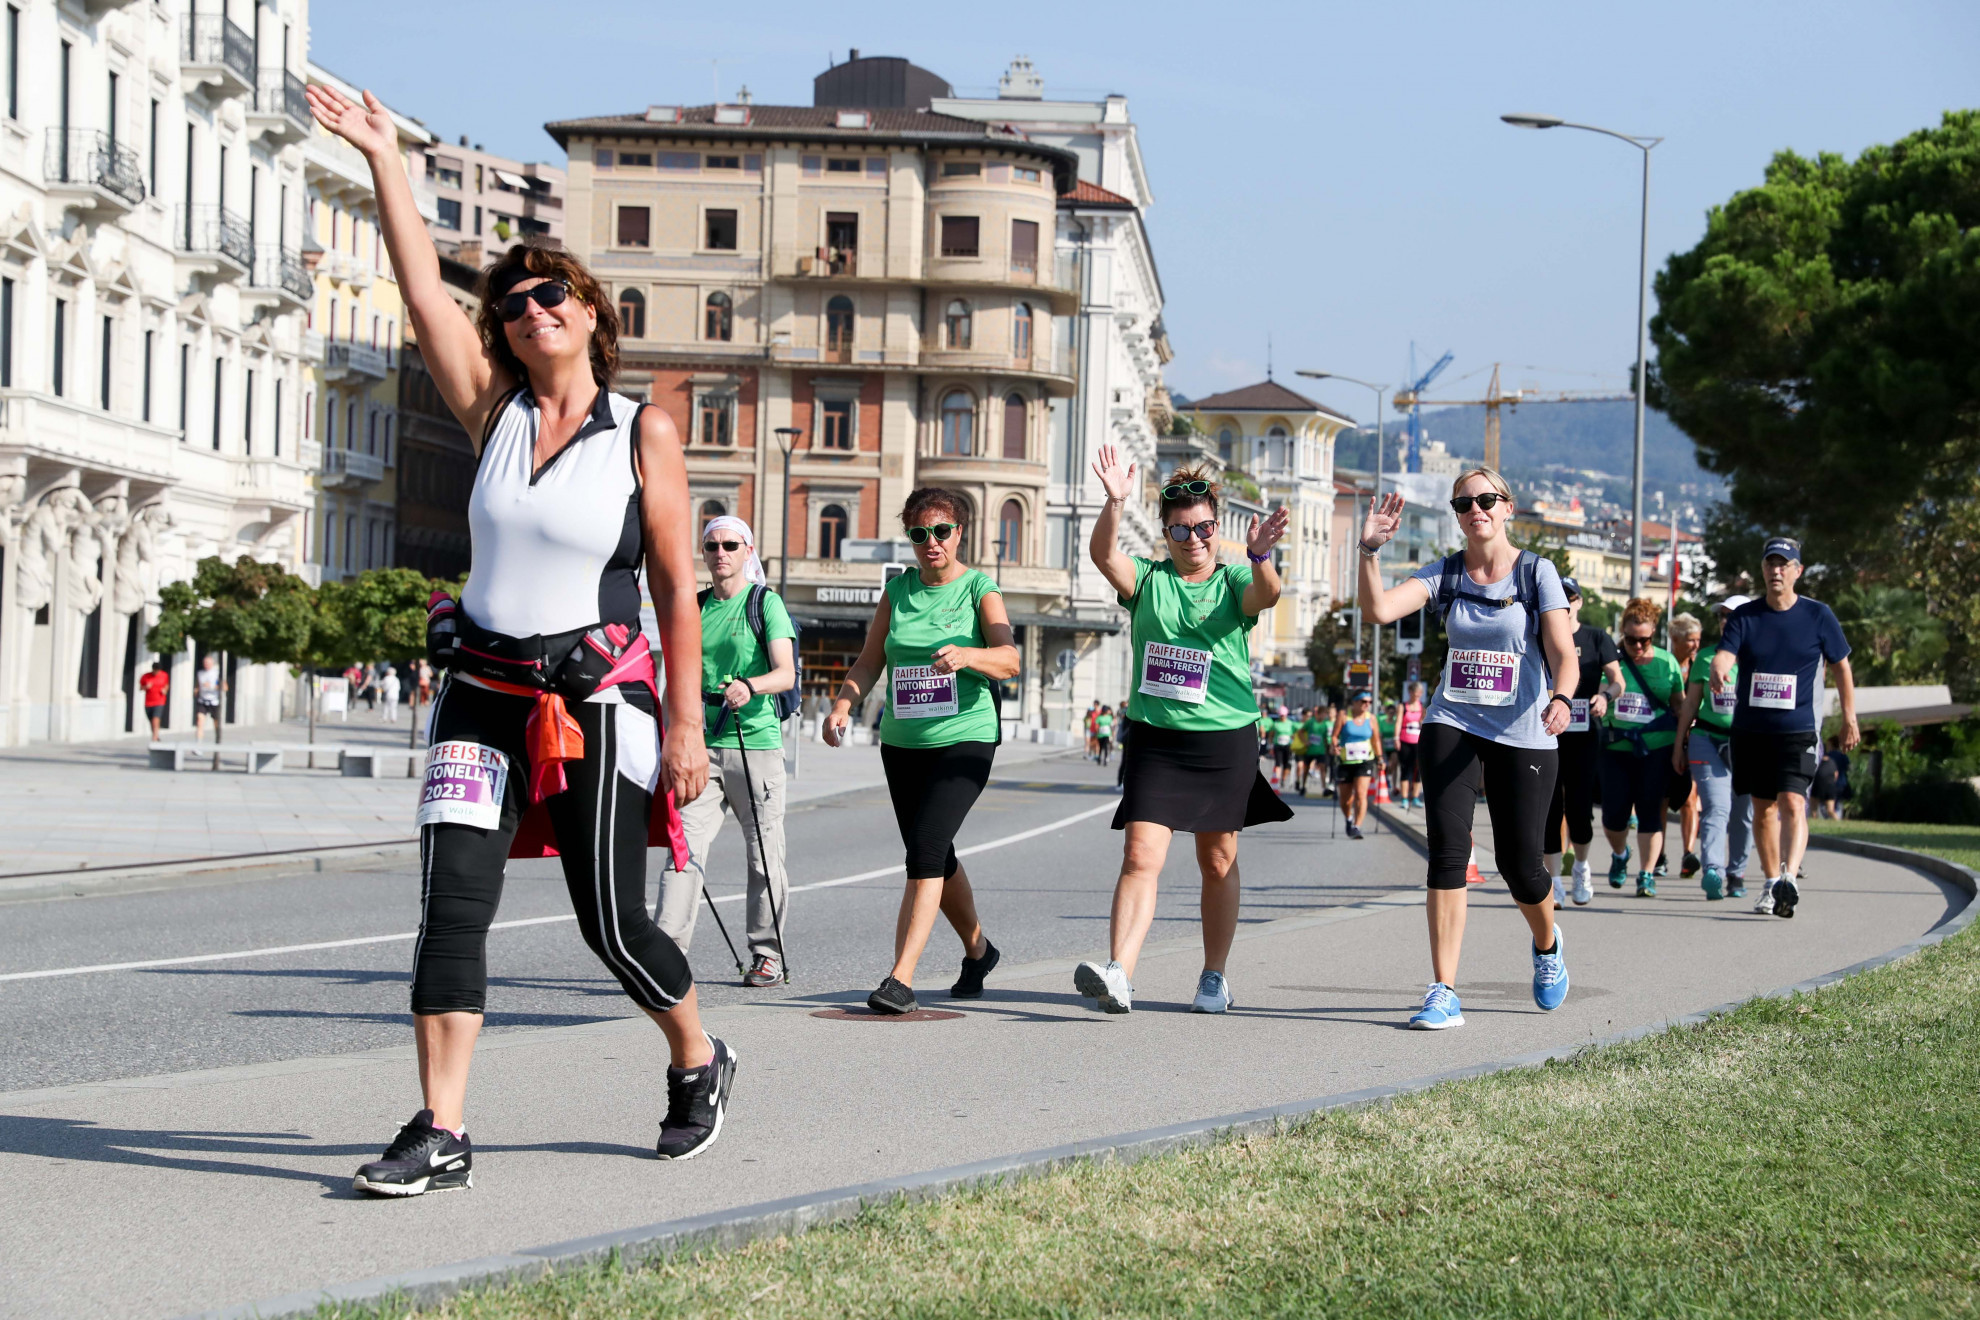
(747, 656)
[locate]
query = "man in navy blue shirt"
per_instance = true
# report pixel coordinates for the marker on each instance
(1782, 643)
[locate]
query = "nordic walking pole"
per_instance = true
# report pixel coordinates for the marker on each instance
(717, 912)
(769, 882)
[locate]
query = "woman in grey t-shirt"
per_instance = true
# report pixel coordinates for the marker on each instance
(1497, 709)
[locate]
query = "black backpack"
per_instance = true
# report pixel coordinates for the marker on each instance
(785, 703)
(1526, 589)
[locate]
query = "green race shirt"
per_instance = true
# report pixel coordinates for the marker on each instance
(1635, 710)
(1316, 732)
(729, 650)
(940, 709)
(1282, 731)
(1714, 713)
(1192, 662)
(1104, 726)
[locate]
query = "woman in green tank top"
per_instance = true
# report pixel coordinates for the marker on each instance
(941, 639)
(1192, 761)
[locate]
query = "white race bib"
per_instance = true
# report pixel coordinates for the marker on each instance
(1482, 678)
(464, 786)
(1356, 751)
(1725, 703)
(1771, 691)
(922, 694)
(1180, 673)
(1577, 715)
(1634, 708)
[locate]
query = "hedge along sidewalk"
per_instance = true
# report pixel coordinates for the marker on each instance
(1695, 1109)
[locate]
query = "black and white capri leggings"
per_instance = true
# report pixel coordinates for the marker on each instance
(933, 789)
(1519, 787)
(600, 823)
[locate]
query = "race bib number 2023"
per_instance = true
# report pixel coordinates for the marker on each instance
(464, 786)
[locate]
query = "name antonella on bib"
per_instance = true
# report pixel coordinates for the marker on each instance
(920, 693)
(1772, 691)
(1482, 678)
(464, 786)
(1180, 673)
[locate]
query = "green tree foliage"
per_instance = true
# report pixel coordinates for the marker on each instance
(379, 613)
(1329, 649)
(1894, 639)
(260, 612)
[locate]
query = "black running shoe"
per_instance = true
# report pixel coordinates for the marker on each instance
(1663, 865)
(1353, 831)
(970, 984)
(892, 999)
(697, 1101)
(1787, 896)
(422, 1158)
(1691, 865)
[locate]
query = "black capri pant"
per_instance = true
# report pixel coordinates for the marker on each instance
(933, 789)
(1634, 783)
(1519, 786)
(600, 822)
(1574, 791)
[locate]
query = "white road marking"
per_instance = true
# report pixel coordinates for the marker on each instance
(879, 874)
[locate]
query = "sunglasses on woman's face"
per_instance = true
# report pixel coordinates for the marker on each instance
(1644, 640)
(1181, 532)
(1182, 488)
(940, 531)
(712, 546)
(1486, 502)
(546, 295)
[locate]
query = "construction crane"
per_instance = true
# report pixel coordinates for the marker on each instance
(1494, 398)
(1413, 461)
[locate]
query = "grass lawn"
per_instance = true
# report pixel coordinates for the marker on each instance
(1815, 1157)
(1959, 843)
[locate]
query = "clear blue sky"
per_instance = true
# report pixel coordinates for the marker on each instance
(1333, 174)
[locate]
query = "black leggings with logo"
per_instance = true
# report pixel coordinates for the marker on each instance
(1519, 787)
(600, 822)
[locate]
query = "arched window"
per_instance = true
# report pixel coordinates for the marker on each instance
(839, 328)
(632, 314)
(1275, 447)
(1226, 445)
(1021, 333)
(956, 325)
(1014, 426)
(712, 509)
(958, 423)
(832, 523)
(719, 323)
(1010, 533)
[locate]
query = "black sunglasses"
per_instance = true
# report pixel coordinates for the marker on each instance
(1486, 502)
(1645, 640)
(546, 295)
(940, 531)
(712, 546)
(1181, 532)
(1182, 488)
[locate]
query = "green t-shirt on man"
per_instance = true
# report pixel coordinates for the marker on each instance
(924, 708)
(1192, 661)
(1637, 709)
(729, 650)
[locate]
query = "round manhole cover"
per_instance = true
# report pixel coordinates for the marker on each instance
(868, 1015)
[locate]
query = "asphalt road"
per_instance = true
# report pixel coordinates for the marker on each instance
(1042, 897)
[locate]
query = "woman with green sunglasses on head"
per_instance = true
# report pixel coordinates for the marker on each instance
(1192, 763)
(942, 639)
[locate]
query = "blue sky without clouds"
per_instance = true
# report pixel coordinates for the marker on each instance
(1333, 175)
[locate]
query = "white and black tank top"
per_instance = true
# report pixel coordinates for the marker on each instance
(558, 548)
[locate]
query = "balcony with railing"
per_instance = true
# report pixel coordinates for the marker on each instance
(341, 360)
(279, 272)
(216, 52)
(214, 239)
(347, 469)
(89, 169)
(281, 110)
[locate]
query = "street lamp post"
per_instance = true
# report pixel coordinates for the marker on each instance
(786, 438)
(1375, 673)
(1645, 145)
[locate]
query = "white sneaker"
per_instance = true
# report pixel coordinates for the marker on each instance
(1560, 890)
(1108, 984)
(1213, 993)
(1584, 884)
(1764, 904)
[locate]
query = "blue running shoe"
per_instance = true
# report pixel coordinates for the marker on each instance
(1440, 1009)
(1713, 884)
(1550, 975)
(1618, 868)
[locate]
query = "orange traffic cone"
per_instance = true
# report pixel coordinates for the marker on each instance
(1379, 795)
(1471, 874)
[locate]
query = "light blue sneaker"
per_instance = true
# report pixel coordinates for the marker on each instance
(1550, 975)
(1713, 883)
(1440, 1009)
(1213, 993)
(1618, 868)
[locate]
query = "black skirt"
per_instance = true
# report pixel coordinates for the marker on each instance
(1198, 783)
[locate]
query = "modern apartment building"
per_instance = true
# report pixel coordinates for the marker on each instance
(152, 297)
(861, 292)
(485, 204)
(1120, 346)
(357, 329)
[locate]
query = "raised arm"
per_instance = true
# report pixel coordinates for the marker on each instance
(1105, 544)
(668, 527)
(468, 379)
(1379, 605)
(1263, 593)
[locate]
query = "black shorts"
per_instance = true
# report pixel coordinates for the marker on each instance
(1767, 765)
(155, 712)
(206, 708)
(1354, 770)
(1406, 761)
(1282, 757)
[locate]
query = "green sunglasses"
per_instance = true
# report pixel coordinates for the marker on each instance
(1182, 488)
(940, 531)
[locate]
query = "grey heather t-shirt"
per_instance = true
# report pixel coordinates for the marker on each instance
(1495, 683)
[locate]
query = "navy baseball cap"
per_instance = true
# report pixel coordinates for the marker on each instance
(1785, 546)
(1571, 587)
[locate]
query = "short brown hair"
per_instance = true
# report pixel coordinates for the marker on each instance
(1190, 472)
(552, 264)
(1642, 610)
(925, 499)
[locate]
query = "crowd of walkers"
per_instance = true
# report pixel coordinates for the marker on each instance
(551, 734)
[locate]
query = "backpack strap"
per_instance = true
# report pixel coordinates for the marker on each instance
(701, 597)
(753, 611)
(1526, 590)
(1447, 583)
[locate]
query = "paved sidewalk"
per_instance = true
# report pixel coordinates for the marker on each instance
(168, 1194)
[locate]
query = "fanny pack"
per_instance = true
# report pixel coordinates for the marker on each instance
(1666, 718)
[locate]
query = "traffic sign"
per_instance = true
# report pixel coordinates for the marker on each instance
(1359, 674)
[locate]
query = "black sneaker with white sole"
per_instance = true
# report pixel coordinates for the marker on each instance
(892, 999)
(697, 1102)
(970, 984)
(422, 1158)
(1787, 896)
